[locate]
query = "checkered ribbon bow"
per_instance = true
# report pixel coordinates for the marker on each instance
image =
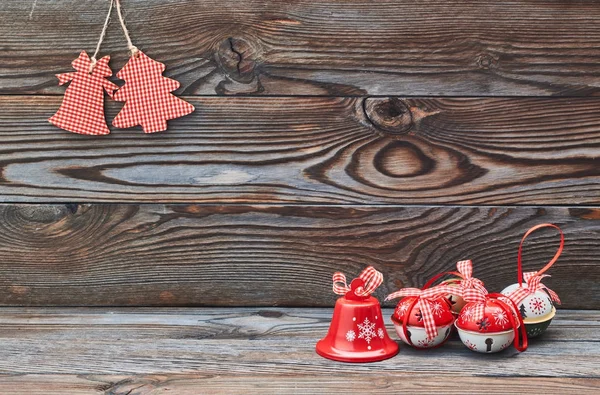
(425, 298)
(533, 279)
(365, 284)
(465, 268)
(477, 295)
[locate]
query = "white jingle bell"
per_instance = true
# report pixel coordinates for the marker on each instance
(536, 309)
(533, 299)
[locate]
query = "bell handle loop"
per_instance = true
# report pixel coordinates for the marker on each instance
(364, 285)
(372, 280)
(520, 341)
(339, 284)
(549, 264)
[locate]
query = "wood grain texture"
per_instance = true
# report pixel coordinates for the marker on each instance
(298, 383)
(314, 150)
(319, 47)
(218, 344)
(202, 255)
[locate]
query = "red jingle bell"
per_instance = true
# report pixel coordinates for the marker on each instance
(409, 310)
(423, 318)
(487, 324)
(357, 331)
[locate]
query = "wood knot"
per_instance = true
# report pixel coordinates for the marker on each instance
(270, 313)
(486, 61)
(236, 57)
(390, 114)
(42, 214)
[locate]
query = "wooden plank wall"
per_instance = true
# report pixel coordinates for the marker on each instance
(329, 135)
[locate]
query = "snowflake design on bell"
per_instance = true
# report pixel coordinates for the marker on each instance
(425, 343)
(500, 317)
(537, 305)
(401, 310)
(467, 314)
(350, 336)
(380, 333)
(472, 346)
(366, 330)
(437, 309)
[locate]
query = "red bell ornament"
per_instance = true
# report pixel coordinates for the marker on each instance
(489, 323)
(534, 300)
(423, 318)
(357, 331)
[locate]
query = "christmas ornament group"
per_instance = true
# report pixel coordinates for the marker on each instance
(146, 93)
(425, 317)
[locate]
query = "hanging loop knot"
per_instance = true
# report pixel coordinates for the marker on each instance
(425, 298)
(93, 62)
(361, 287)
(533, 279)
(134, 51)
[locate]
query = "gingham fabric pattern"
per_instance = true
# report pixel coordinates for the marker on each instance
(534, 284)
(426, 297)
(371, 278)
(479, 297)
(147, 97)
(82, 109)
(465, 268)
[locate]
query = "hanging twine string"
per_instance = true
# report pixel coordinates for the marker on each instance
(132, 48)
(102, 35)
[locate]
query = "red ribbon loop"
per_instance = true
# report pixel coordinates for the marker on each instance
(510, 308)
(370, 279)
(425, 297)
(533, 279)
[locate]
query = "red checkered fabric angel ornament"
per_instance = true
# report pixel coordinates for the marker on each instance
(147, 97)
(82, 109)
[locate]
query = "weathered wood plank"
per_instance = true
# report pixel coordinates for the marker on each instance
(320, 47)
(202, 255)
(314, 150)
(261, 343)
(372, 382)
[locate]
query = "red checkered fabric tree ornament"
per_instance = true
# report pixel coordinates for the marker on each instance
(147, 94)
(147, 97)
